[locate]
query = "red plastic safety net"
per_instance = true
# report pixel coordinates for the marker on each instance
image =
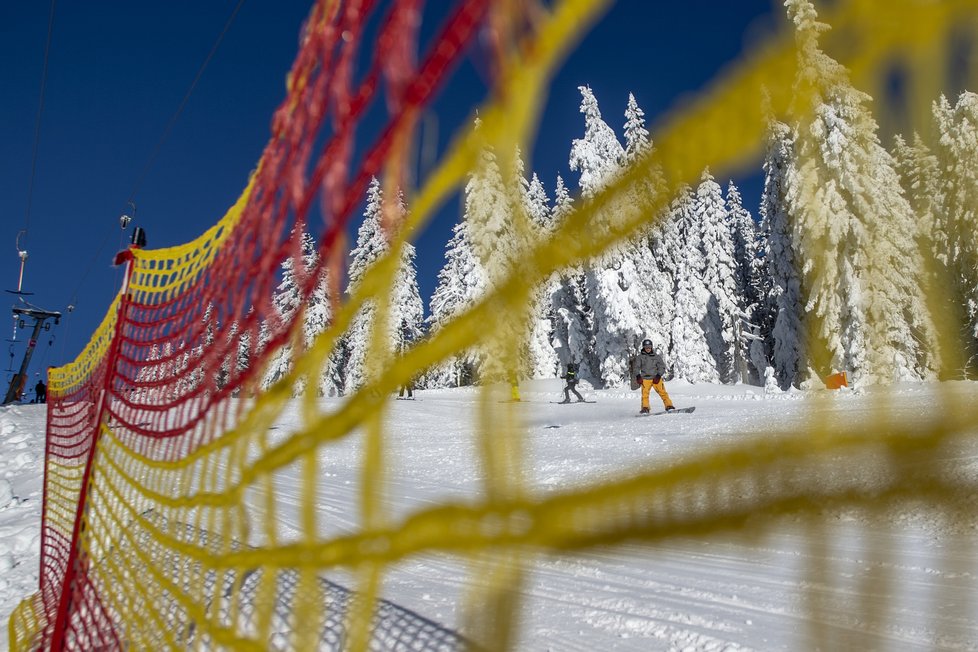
(170, 372)
(164, 471)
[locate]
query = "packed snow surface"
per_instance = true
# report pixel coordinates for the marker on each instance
(749, 590)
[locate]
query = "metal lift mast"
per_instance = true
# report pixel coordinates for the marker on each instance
(40, 318)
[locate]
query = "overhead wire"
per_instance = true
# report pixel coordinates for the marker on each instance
(37, 124)
(183, 103)
(159, 144)
(25, 232)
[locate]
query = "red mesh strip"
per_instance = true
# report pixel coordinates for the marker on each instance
(172, 368)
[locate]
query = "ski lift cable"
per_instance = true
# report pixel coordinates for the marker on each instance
(183, 103)
(159, 144)
(37, 121)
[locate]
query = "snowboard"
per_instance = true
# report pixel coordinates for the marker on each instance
(405, 398)
(569, 402)
(686, 410)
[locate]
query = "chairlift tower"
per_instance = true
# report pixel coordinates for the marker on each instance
(40, 317)
(40, 322)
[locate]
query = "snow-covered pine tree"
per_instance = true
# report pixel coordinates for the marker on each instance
(920, 177)
(598, 156)
(660, 283)
(243, 357)
(783, 305)
(286, 301)
(957, 151)
(637, 141)
(317, 318)
(572, 315)
(371, 245)
(500, 233)
(405, 323)
(651, 296)
(690, 354)
(723, 308)
(853, 226)
(407, 310)
(537, 203)
(611, 280)
(197, 353)
(489, 212)
(148, 373)
(461, 282)
(540, 354)
(743, 234)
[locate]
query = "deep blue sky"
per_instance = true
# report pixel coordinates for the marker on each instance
(118, 70)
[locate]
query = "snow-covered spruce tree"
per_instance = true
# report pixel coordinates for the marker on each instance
(243, 357)
(853, 228)
(370, 246)
(197, 353)
(957, 151)
(407, 310)
(568, 300)
(317, 318)
(783, 305)
(920, 177)
(723, 308)
(461, 282)
(661, 284)
(637, 141)
(651, 296)
(690, 354)
(540, 354)
(405, 319)
(597, 156)
(148, 373)
(501, 232)
(743, 234)
(286, 302)
(761, 316)
(618, 330)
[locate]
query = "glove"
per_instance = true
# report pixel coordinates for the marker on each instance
(656, 379)
(638, 379)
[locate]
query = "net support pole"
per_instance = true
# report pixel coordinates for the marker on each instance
(71, 571)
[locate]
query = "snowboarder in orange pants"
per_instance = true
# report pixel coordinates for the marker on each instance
(648, 368)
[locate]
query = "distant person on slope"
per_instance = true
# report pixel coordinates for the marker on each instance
(41, 392)
(409, 386)
(571, 386)
(648, 368)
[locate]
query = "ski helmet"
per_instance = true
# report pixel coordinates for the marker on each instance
(646, 343)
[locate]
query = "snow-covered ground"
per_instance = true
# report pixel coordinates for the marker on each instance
(749, 591)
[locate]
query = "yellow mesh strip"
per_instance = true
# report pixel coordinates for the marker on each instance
(139, 502)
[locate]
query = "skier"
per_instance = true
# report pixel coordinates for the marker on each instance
(409, 386)
(571, 378)
(41, 392)
(648, 368)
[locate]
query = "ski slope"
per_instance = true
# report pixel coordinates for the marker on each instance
(748, 590)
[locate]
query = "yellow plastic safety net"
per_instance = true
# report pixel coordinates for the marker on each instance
(167, 478)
